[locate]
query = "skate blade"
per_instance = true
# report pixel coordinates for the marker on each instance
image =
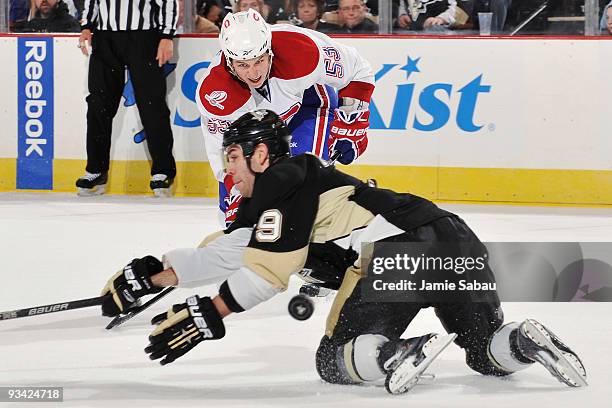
(162, 192)
(90, 192)
(561, 363)
(406, 375)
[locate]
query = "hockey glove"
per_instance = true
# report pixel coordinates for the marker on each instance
(349, 132)
(123, 290)
(183, 327)
(231, 201)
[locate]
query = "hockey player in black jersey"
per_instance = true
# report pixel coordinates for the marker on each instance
(297, 210)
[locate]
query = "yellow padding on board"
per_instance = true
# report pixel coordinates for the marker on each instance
(483, 185)
(475, 185)
(132, 177)
(526, 185)
(8, 174)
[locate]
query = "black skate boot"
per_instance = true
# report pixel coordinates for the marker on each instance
(406, 360)
(92, 184)
(160, 184)
(537, 343)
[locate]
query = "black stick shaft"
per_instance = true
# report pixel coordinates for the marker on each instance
(52, 308)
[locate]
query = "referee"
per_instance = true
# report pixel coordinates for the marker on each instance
(137, 35)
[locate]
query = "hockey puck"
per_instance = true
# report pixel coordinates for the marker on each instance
(300, 307)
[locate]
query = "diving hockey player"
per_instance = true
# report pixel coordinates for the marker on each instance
(297, 208)
(293, 72)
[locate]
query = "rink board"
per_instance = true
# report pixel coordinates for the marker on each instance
(488, 120)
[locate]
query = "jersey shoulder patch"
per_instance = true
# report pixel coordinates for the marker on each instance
(220, 93)
(295, 55)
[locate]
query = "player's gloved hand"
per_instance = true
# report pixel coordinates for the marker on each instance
(182, 327)
(349, 131)
(231, 201)
(123, 290)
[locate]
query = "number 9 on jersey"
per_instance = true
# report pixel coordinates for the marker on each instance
(269, 226)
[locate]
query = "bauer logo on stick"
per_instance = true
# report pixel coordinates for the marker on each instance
(47, 309)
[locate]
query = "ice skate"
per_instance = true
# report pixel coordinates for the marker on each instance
(160, 184)
(539, 344)
(92, 184)
(406, 367)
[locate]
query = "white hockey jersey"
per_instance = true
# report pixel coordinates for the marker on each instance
(302, 58)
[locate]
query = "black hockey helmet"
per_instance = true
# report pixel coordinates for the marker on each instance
(259, 126)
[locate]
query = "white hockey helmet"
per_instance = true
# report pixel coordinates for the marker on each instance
(245, 35)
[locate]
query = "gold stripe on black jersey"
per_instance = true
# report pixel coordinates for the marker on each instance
(351, 278)
(337, 215)
(275, 267)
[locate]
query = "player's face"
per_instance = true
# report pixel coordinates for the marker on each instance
(238, 168)
(253, 71)
(609, 19)
(307, 11)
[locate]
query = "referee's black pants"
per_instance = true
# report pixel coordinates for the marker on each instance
(112, 52)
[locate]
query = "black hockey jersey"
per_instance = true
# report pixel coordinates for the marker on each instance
(301, 204)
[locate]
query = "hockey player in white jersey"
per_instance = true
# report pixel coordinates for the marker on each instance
(295, 208)
(294, 72)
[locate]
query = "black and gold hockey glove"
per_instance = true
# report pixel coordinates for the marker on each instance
(123, 290)
(182, 327)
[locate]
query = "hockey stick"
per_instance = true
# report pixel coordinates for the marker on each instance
(136, 310)
(333, 158)
(56, 307)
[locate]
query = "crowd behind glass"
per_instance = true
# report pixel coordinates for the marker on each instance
(433, 17)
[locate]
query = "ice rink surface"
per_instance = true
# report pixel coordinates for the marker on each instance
(59, 247)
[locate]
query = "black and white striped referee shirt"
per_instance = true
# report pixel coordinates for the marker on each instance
(131, 15)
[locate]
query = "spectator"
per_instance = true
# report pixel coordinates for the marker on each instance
(417, 15)
(18, 14)
(75, 7)
(499, 8)
(309, 12)
(50, 16)
(142, 43)
(606, 19)
(353, 18)
(205, 26)
(259, 5)
(201, 25)
(280, 11)
(212, 11)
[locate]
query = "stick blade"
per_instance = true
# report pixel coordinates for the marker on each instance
(119, 320)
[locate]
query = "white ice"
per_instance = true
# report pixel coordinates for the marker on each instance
(59, 247)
